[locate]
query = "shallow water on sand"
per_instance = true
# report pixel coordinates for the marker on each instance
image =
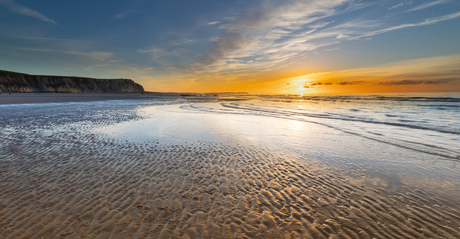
(422, 153)
(355, 166)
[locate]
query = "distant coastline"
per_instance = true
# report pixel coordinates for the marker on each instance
(13, 82)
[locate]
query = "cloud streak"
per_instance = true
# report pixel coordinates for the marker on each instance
(122, 14)
(428, 21)
(416, 82)
(98, 55)
(45, 38)
(401, 4)
(427, 5)
(19, 9)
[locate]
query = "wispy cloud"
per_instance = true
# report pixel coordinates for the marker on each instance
(181, 41)
(213, 23)
(416, 82)
(428, 21)
(19, 9)
(342, 36)
(350, 82)
(396, 6)
(166, 54)
(98, 55)
(401, 4)
(122, 14)
(319, 24)
(427, 5)
(151, 50)
(45, 38)
(160, 55)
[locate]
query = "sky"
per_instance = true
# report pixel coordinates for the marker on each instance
(255, 46)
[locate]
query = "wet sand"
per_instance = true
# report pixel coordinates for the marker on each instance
(100, 189)
(29, 98)
(76, 184)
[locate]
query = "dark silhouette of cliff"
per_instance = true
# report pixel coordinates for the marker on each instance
(23, 83)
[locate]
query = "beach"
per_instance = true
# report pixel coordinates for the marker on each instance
(229, 167)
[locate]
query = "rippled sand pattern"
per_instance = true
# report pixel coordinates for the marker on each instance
(87, 187)
(58, 180)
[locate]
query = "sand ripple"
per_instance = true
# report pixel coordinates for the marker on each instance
(84, 186)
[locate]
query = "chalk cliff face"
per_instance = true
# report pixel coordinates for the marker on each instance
(23, 83)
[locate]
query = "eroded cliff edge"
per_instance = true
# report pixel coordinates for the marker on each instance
(24, 83)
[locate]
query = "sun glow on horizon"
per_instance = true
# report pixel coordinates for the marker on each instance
(302, 85)
(434, 74)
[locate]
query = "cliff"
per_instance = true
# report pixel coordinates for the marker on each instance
(23, 83)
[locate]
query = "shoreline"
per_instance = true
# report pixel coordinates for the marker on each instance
(32, 98)
(36, 98)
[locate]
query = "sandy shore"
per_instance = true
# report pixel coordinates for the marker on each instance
(28, 98)
(76, 184)
(88, 188)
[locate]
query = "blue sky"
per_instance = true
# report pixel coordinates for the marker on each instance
(255, 46)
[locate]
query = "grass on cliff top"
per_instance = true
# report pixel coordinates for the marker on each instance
(10, 73)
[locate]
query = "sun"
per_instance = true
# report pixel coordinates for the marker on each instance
(302, 85)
